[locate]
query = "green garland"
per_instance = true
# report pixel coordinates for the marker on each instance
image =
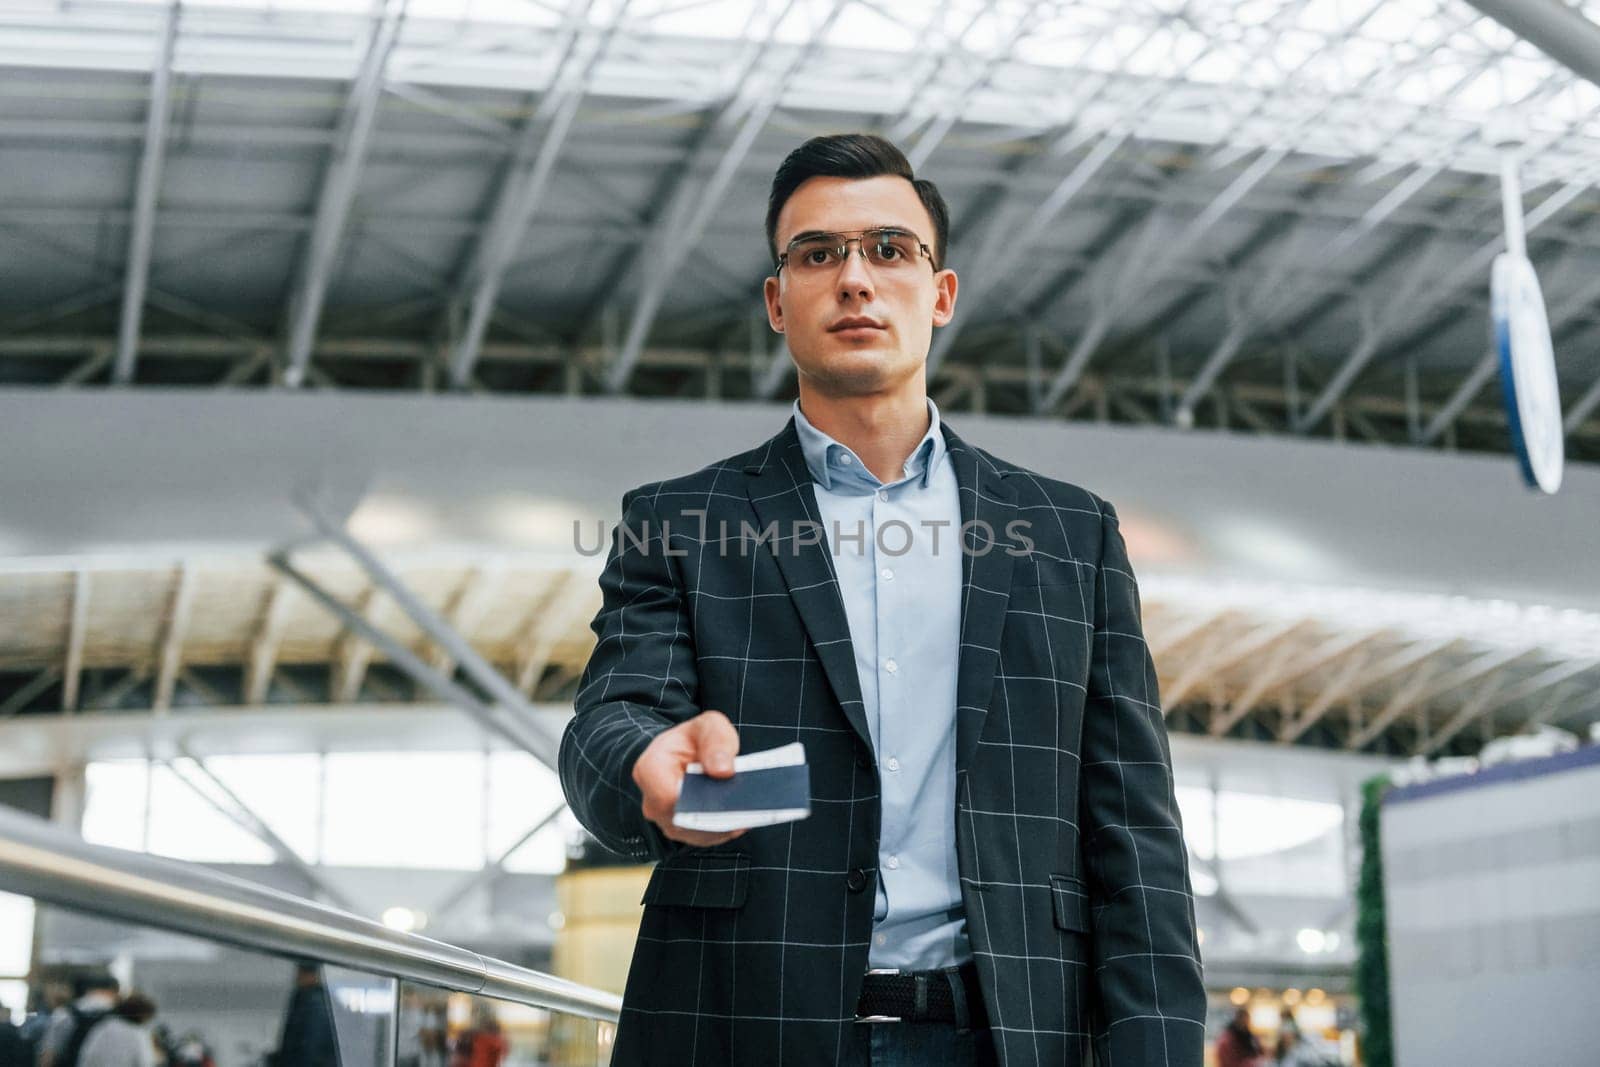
(1372, 958)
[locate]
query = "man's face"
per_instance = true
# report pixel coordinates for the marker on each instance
(858, 329)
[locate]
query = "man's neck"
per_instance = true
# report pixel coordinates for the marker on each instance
(882, 429)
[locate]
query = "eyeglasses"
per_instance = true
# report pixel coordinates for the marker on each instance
(821, 253)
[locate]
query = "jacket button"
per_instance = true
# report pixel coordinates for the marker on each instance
(856, 880)
(863, 760)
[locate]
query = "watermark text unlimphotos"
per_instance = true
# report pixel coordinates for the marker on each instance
(895, 537)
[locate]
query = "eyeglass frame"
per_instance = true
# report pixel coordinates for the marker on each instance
(859, 241)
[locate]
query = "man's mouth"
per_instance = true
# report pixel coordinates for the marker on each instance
(855, 323)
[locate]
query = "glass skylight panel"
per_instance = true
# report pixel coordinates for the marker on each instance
(1313, 74)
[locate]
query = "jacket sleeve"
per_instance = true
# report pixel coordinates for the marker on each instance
(640, 681)
(1148, 996)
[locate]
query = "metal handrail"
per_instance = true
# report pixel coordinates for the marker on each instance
(41, 860)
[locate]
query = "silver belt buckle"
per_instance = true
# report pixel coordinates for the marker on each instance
(880, 1018)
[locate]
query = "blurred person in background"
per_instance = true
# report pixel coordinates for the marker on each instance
(309, 1038)
(192, 1051)
(123, 1039)
(1238, 1046)
(43, 1002)
(484, 1045)
(95, 997)
(12, 1049)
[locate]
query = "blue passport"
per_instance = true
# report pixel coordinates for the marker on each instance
(766, 788)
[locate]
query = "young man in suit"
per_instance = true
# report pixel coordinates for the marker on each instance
(993, 870)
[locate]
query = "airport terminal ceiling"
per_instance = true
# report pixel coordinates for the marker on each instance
(1275, 216)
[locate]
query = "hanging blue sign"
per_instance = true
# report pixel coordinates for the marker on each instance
(1527, 370)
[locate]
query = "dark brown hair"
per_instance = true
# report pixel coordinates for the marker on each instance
(853, 155)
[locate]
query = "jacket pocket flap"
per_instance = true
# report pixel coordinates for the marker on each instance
(710, 880)
(1071, 902)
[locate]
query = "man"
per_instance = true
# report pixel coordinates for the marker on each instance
(123, 1039)
(72, 1023)
(1237, 1045)
(992, 813)
(309, 1037)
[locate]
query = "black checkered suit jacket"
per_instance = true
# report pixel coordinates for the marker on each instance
(1072, 862)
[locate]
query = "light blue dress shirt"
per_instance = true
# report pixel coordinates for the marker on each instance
(897, 552)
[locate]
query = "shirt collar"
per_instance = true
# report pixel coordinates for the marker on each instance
(822, 452)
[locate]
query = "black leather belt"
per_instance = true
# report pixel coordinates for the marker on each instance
(944, 996)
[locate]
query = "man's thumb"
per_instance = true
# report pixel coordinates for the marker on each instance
(716, 742)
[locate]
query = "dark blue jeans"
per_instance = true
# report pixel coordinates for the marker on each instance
(921, 1045)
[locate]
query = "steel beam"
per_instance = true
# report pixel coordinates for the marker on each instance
(504, 720)
(353, 655)
(1470, 270)
(235, 810)
(264, 645)
(146, 194)
(945, 118)
(694, 203)
(1476, 380)
(77, 627)
(1426, 686)
(1559, 31)
(1488, 701)
(549, 622)
(30, 691)
(1226, 653)
(491, 871)
(466, 609)
(339, 181)
(170, 655)
(523, 186)
(479, 670)
(1002, 240)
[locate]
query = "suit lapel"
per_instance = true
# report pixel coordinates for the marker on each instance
(988, 506)
(780, 490)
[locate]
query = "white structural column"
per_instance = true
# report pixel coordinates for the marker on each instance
(338, 191)
(522, 190)
(145, 195)
(694, 202)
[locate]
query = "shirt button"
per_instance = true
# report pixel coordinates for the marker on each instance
(883, 494)
(891, 666)
(892, 763)
(886, 574)
(844, 459)
(893, 863)
(881, 939)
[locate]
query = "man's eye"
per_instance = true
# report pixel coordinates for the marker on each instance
(817, 257)
(888, 251)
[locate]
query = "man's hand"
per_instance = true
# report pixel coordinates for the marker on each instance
(709, 739)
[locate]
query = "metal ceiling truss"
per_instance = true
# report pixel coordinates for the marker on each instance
(973, 82)
(339, 181)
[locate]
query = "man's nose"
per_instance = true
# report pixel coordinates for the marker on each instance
(854, 279)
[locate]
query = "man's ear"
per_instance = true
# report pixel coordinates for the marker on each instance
(769, 290)
(945, 284)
